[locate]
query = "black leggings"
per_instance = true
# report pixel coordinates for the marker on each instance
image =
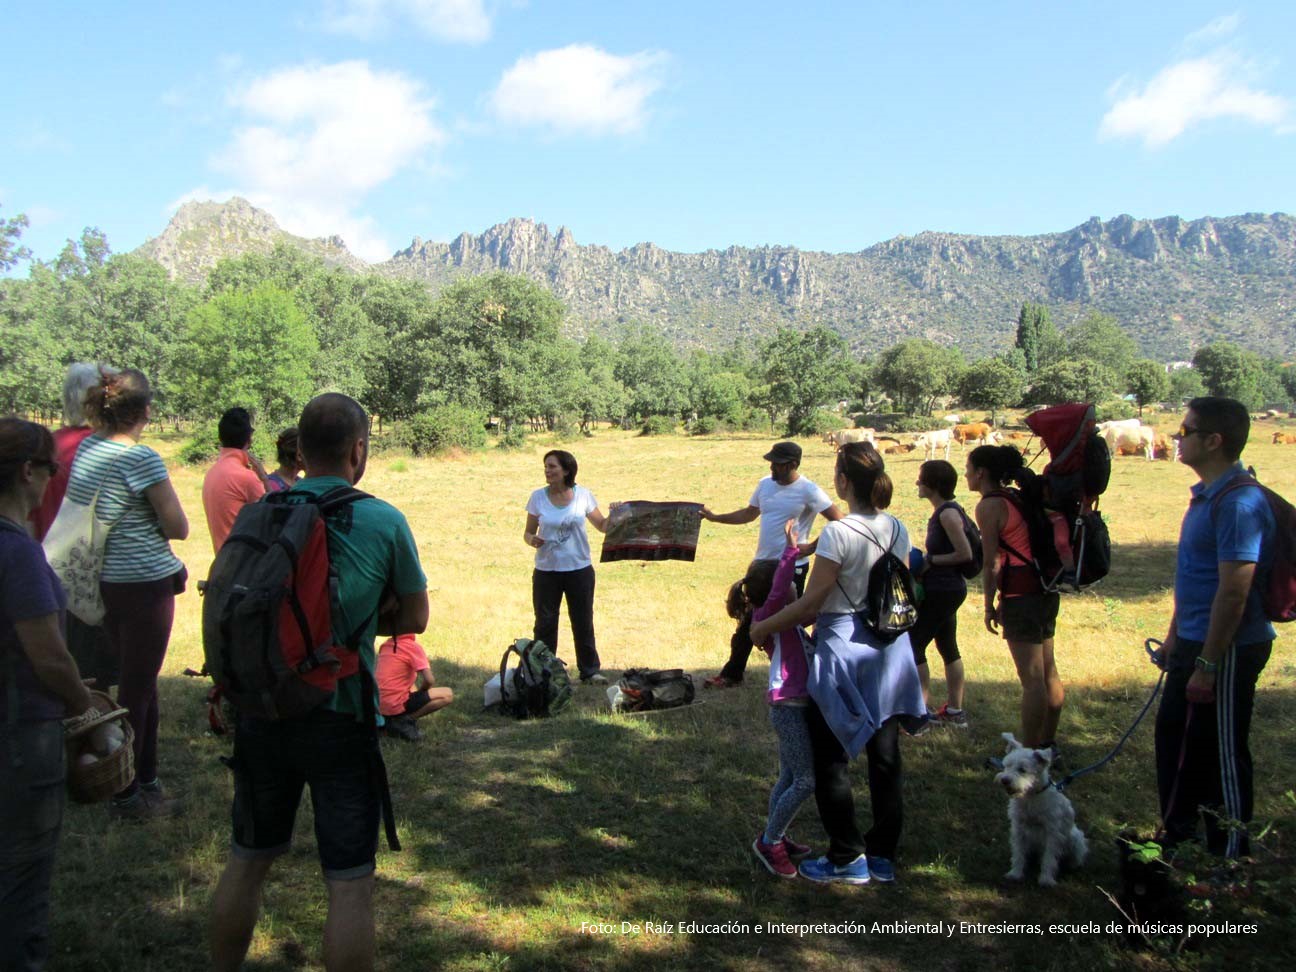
(836, 801)
(938, 619)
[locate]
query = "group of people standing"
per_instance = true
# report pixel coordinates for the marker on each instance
(833, 694)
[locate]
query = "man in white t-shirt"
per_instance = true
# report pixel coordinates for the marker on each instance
(783, 495)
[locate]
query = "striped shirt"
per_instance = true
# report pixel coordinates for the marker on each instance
(136, 550)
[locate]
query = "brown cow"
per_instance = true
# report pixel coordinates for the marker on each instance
(974, 432)
(1284, 438)
(1163, 447)
(887, 445)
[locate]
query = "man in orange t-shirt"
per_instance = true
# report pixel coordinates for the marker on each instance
(236, 479)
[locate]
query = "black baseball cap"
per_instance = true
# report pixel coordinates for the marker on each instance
(784, 452)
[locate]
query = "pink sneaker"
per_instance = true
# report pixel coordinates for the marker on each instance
(794, 850)
(774, 857)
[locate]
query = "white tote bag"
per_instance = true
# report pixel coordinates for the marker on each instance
(74, 547)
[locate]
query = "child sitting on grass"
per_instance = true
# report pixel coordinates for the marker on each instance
(406, 689)
(767, 587)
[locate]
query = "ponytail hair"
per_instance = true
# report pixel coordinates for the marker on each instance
(864, 469)
(21, 441)
(119, 401)
(1001, 463)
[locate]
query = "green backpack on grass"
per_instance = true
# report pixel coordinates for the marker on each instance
(539, 685)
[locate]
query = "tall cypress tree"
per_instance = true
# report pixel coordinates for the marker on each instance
(1028, 336)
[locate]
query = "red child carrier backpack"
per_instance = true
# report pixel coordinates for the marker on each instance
(1069, 539)
(269, 604)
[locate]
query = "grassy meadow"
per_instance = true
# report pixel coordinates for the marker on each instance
(517, 834)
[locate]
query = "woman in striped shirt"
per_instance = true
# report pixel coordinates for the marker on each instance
(129, 485)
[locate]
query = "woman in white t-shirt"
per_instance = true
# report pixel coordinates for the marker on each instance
(859, 685)
(555, 526)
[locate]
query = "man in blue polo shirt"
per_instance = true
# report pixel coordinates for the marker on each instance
(1219, 638)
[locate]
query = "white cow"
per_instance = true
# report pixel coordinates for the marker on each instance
(929, 442)
(843, 436)
(1119, 424)
(1124, 439)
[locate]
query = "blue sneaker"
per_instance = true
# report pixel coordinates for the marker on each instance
(826, 872)
(881, 870)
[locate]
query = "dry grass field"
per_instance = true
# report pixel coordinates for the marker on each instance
(517, 834)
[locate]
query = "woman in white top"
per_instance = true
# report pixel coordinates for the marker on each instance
(859, 685)
(555, 527)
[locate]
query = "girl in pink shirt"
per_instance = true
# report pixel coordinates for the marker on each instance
(767, 587)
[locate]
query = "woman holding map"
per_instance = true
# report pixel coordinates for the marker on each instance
(555, 527)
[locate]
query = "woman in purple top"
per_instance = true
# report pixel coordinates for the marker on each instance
(768, 586)
(39, 687)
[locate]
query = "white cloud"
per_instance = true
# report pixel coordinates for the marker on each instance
(1213, 31)
(1190, 92)
(579, 88)
(461, 21)
(318, 139)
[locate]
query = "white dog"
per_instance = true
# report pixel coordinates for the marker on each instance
(1042, 818)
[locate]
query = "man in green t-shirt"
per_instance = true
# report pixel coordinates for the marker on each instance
(334, 749)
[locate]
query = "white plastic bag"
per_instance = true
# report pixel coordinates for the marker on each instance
(491, 693)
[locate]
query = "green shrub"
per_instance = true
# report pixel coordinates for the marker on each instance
(658, 425)
(1114, 411)
(565, 428)
(202, 446)
(896, 422)
(399, 466)
(817, 423)
(512, 440)
(442, 428)
(704, 425)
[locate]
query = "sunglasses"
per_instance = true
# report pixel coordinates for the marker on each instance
(1185, 431)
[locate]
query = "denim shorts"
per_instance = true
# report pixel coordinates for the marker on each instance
(333, 754)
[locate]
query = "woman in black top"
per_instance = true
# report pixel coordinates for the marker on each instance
(944, 587)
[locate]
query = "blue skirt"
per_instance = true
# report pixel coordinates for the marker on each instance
(858, 681)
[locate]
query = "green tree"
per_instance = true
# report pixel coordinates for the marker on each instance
(1288, 379)
(11, 251)
(250, 348)
(1098, 338)
(915, 372)
(991, 383)
(1186, 383)
(1231, 372)
(1070, 381)
(601, 395)
(652, 374)
(1147, 382)
(804, 371)
(1037, 337)
(409, 367)
(497, 329)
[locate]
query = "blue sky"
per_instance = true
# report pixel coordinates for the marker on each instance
(828, 126)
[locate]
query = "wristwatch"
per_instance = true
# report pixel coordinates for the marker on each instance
(1210, 668)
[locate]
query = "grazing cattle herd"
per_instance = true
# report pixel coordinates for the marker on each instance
(1124, 437)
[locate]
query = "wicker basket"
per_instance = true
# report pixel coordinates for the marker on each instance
(97, 781)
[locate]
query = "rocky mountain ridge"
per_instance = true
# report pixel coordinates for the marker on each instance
(1175, 283)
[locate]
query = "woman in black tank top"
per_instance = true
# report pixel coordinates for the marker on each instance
(944, 589)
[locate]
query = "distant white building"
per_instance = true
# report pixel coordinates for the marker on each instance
(1177, 366)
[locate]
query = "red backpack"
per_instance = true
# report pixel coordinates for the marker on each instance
(269, 604)
(1278, 596)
